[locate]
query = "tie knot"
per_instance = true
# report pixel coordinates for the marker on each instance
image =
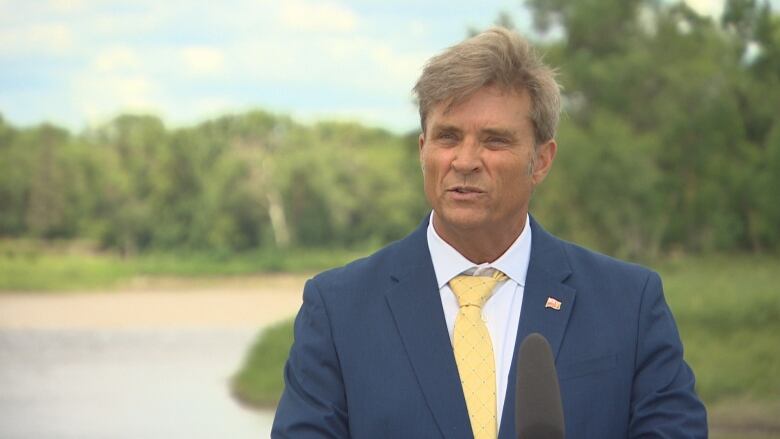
(475, 290)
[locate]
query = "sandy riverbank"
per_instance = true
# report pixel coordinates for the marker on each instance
(159, 303)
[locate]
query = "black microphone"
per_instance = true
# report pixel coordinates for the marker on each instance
(538, 408)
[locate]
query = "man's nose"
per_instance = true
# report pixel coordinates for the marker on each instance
(467, 157)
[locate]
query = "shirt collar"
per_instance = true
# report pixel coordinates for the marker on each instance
(448, 263)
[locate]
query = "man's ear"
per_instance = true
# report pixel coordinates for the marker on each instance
(420, 144)
(544, 156)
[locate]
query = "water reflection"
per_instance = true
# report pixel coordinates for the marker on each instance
(155, 383)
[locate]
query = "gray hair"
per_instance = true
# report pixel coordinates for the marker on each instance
(496, 57)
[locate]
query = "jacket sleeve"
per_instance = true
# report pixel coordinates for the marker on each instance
(663, 401)
(313, 404)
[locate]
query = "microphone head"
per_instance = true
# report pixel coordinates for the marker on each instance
(538, 408)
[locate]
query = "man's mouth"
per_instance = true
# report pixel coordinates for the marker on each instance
(466, 190)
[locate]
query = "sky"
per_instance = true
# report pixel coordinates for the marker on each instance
(78, 63)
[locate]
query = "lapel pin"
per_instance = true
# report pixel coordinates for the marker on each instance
(553, 303)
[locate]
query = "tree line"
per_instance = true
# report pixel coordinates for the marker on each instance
(234, 183)
(670, 141)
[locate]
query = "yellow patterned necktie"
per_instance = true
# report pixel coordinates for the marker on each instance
(474, 351)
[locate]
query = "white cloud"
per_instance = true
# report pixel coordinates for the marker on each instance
(403, 67)
(369, 64)
(67, 5)
(317, 17)
(40, 38)
(101, 95)
(186, 60)
(273, 59)
(203, 61)
(360, 64)
(402, 118)
(132, 91)
(418, 29)
(117, 59)
(143, 18)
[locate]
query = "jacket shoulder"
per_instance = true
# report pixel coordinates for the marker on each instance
(566, 258)
(374, 269)
(582, 257)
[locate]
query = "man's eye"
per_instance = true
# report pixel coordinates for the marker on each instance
(497, 141)
(447, 136)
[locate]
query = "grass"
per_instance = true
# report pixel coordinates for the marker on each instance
(259, 383)
(743, 418)
(728, 312)
(28, 266)
(46, 271)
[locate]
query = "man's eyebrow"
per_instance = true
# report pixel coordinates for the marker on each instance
(498, 132)
(445, 127)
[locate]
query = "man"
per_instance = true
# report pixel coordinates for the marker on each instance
(418, 340)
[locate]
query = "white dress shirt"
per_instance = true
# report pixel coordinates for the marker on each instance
(501, 312)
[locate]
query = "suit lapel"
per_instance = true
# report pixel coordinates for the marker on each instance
(416, 306)
(547, 270)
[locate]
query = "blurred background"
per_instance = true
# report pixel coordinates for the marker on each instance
(172, 172)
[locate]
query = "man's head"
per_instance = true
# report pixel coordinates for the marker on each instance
(489, 109)
(496, 57)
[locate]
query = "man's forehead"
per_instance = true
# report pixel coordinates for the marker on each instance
(506, 92)
(447, 113)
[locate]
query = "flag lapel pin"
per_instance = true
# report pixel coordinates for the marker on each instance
(553, 303)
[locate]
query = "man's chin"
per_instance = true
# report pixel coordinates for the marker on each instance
(460, 219)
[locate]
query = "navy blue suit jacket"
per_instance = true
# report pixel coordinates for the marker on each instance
(372, 357)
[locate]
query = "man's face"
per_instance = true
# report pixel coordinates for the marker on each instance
(479, 163)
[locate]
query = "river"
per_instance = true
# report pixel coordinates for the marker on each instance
(124, 383)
